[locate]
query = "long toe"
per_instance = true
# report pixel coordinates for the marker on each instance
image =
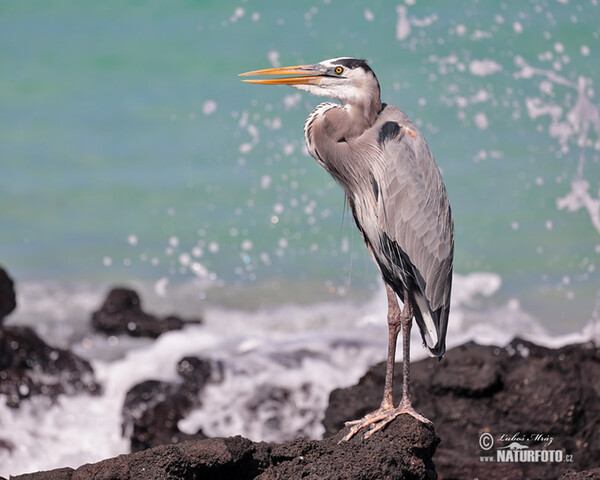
(371, 419)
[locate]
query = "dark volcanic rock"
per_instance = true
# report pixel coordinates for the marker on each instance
(8, 299)
(121, 313)
(153, 408)
(151, 412)
(29, 366)
(402, 451)
(519, 391)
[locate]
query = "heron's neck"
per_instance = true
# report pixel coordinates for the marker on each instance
(362, 114)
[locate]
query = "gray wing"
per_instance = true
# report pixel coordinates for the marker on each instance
(414, 211)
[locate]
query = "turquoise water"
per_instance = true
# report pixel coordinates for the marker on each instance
(131, 151)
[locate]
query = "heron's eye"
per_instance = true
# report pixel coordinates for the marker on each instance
(339, 70)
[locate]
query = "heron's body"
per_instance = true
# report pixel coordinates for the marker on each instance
(400, 205)
(397, 197)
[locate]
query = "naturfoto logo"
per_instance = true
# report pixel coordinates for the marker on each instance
(521, 447)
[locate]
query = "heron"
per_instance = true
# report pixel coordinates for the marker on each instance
(398, 200)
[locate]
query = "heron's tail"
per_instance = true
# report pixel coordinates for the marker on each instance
(433, 325)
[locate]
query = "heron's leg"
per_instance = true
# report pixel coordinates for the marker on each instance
(406, 321)
(394, 325)
(405, 403)
(386, 412)
(387, 403)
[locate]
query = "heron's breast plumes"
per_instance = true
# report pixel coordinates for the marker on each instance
(310, 133)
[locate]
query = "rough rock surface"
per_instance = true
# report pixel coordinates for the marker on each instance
(121, 313)
(402, 451)
(153, 408)
(593, 474)
(520, 391)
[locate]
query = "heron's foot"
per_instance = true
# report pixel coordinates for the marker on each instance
(380, 418)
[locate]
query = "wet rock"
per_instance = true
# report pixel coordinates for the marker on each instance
(523, 392)
(152, 409)
(196, 371)
(403, 450)
(121, 313)
(8, 299)
(29, 366)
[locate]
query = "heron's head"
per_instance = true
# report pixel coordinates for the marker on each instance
(348, 80)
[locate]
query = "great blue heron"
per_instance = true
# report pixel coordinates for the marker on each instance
(397, 198)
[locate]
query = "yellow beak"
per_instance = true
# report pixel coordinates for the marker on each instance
(309, 75)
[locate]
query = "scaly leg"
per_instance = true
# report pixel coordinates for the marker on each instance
(405, 403)
(397, 320)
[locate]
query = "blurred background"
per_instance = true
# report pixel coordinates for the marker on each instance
(131, 154)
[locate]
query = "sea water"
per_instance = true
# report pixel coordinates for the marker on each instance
(131, 154)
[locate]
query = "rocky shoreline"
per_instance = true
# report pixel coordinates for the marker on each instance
(520, 411)
(487, 401)
(403, 450)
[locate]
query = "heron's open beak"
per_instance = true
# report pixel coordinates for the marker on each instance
(309, 74)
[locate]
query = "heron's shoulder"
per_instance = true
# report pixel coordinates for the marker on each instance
(391, 113)
(393, 127)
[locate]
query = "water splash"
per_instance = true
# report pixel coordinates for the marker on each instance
(576, 125)
(579, 197)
